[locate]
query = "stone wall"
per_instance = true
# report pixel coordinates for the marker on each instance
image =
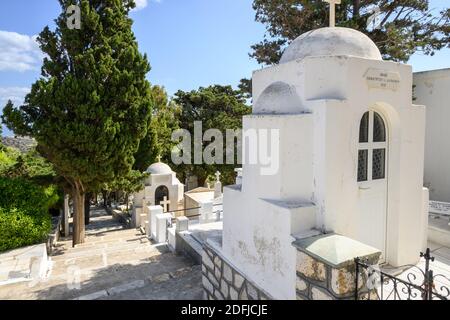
(222, 281)
(320, 279)
(325, 270)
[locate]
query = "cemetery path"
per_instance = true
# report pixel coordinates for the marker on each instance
(114, 263)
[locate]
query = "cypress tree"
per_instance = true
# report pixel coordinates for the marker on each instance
(92, 104)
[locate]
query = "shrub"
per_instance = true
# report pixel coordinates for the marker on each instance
(18, 229)
(8, 157)
(24, 217)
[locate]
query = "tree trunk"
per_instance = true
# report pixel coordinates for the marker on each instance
(87, 208)
(201, 181)
(356, 6)
(78, 217)
(105, 198)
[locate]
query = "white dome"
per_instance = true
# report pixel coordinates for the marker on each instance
(159, 168)
(278, 98)
(335, 41)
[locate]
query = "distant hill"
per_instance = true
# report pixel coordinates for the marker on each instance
(24, 144)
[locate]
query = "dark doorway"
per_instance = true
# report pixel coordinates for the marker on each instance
(160, 193)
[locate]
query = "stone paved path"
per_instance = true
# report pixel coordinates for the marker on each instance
(114, 263)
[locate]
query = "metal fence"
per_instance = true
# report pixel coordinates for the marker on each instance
(416, 284)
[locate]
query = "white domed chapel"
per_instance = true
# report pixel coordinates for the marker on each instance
(162, 187)
(351, 150)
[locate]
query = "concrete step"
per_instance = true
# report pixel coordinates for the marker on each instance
(89, 264)
(112, 234)
(99, 251)
(156, 282)
(155, 269)
(95, 240)
(103, 244)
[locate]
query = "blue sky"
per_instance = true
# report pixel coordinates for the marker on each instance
(190, 43)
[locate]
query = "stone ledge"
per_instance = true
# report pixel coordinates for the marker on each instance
(335, 250)
(326, 267)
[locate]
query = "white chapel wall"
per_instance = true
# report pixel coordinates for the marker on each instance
(432, 88)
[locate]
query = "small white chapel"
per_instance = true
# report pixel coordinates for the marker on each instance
(162, 187)
(351, 154)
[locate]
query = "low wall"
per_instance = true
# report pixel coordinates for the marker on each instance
(55, 233)
(326, 269)
(222, 281)
(439, 236)
(185, 244)
(24, 264)
(121, 217)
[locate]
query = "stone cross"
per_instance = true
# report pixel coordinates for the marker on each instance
(158, 158)
(333, 11)
(165, 203)
(217, 174)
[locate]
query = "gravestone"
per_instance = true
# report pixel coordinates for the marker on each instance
(66, 215)
(217, 186)
(162, 223)
(153, 211)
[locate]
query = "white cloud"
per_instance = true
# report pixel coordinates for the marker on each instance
(15, 94)
(19, 52)
(141, 4)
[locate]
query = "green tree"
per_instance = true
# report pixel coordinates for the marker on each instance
(406, 26)
(24, 212)
(8, 159)
(158, 141)
(92, 104)
(131, 183)
(31, 166)
(217, 107)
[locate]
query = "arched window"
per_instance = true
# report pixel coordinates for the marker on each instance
(161, 196)
(372, 149)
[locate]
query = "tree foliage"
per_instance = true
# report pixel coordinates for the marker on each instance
(27, 193)
(8, 159)
(405, 26)
(24, 217)
(31, 166)
(158, 141)
(92, 104)
(217, 107)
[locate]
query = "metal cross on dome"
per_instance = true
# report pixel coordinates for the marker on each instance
(333, 11)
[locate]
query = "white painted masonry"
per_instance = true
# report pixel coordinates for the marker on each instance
(161, 176)
(162, 221)
(432, 88)
(153, 212)
(316, 188)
